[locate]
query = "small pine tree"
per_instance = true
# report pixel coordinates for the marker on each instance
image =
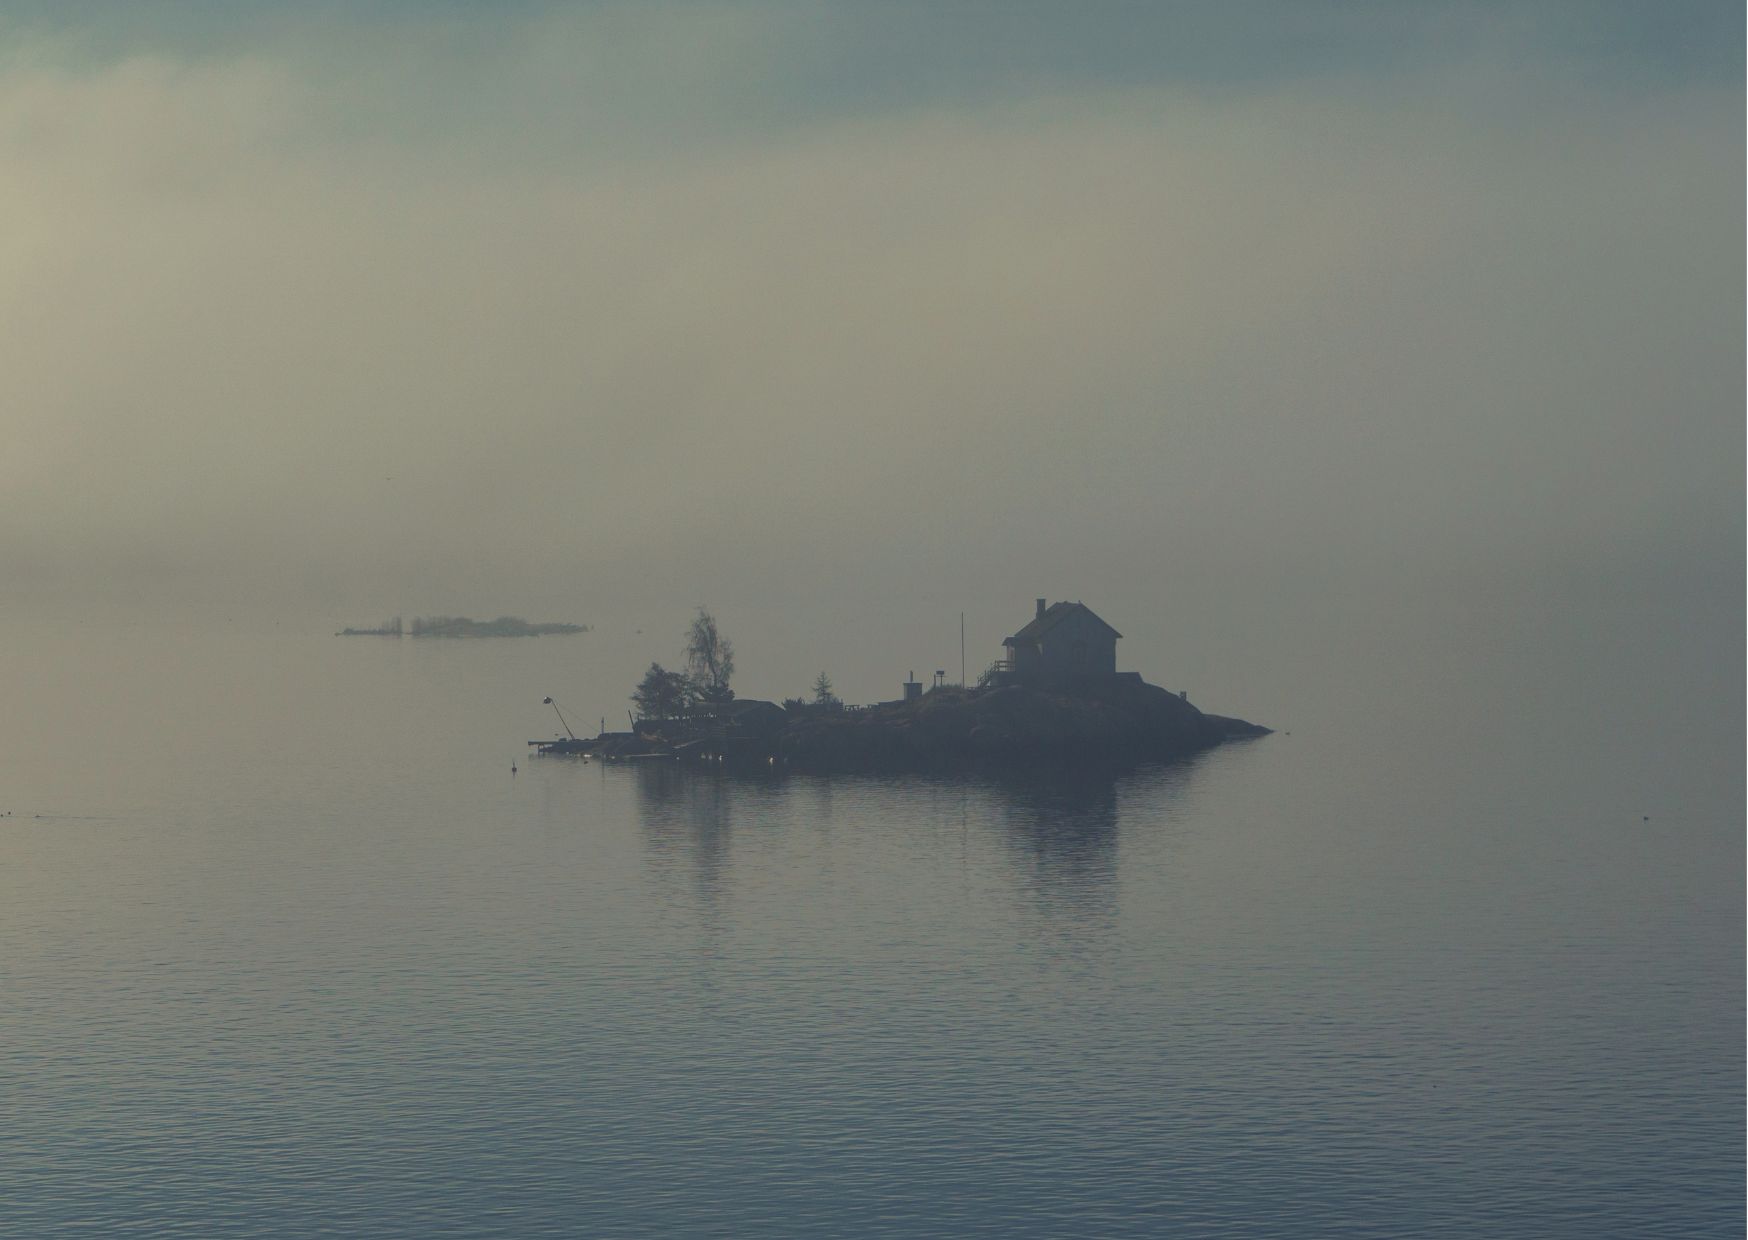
(661, 694)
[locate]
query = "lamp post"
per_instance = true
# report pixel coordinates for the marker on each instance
(567, 727)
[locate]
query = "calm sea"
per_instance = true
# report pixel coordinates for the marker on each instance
(289, 951)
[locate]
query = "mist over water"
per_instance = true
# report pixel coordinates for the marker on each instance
(291, 949)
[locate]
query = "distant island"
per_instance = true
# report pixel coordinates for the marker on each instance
(461, 626)
(1056, 698)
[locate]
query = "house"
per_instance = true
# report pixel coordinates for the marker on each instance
(1065, 645)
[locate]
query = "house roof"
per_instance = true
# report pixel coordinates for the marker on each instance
(745, 706)
(1054, 615)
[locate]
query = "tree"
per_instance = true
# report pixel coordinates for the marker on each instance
(661, 694)
(709, 660)
(823, 695)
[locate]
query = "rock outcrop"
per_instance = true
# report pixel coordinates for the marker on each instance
(1118, 721)
(1124, 720)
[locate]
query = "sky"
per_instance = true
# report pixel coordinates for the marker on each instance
(866, 314)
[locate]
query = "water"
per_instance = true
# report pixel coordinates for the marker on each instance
(289, 951)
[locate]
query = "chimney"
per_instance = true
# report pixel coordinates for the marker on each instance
(1040, 609)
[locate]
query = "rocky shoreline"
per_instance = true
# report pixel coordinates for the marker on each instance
(1120, 721)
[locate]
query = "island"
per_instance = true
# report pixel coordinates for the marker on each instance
(461, 626)
(1055, 699)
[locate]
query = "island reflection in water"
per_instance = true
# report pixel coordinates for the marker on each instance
(1050, 837)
